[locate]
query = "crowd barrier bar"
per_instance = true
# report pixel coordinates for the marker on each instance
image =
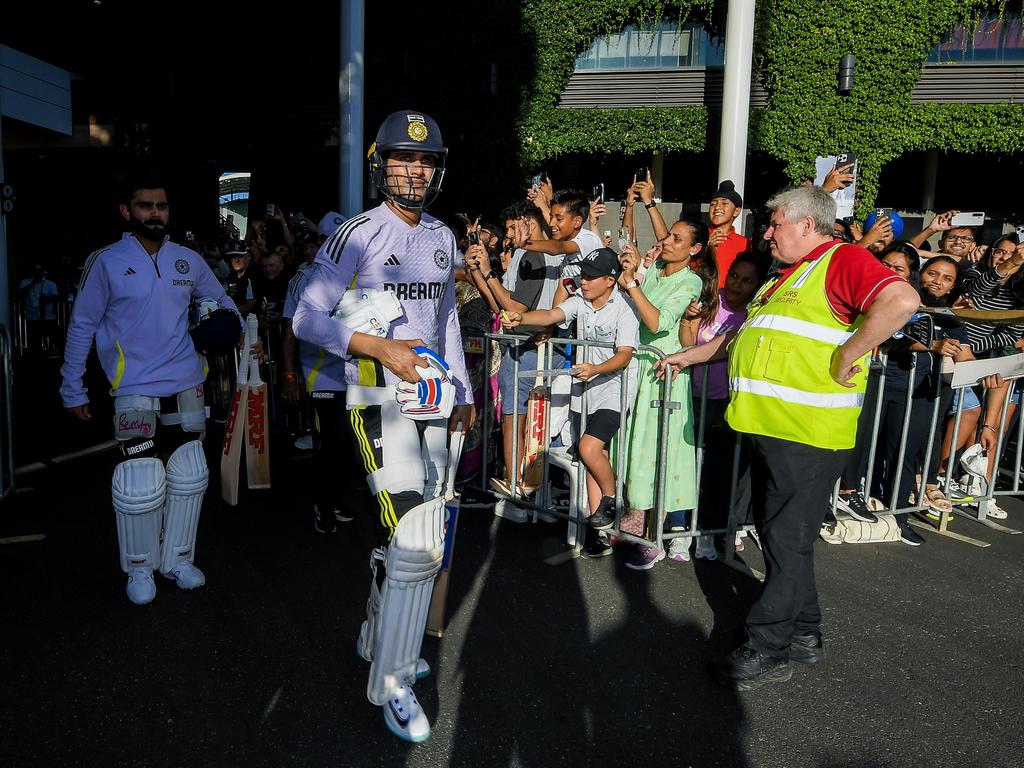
(6, 414)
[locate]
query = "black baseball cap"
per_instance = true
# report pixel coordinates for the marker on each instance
(602, 262)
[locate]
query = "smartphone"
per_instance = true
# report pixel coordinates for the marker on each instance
(270, 210)
(880, 212)
(537, 180)
(1020, 234)
(968, 219)
(598, 192)
(641, 173)
(474, 238)
(847, 158)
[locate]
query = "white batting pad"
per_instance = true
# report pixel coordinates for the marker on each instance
(137, 492)
(413, 561)
(187, 478)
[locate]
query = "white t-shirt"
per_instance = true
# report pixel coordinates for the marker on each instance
(587, 241)
(616, 323)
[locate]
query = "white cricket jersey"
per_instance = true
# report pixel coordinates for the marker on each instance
(377, 249)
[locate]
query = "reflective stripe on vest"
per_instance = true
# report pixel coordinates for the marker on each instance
(799, 396)
(801, 328)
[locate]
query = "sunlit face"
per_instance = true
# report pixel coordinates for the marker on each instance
(1002, 251)
(957, 241)
(721, 211)
(593, 287)
(786, 238)
(678, 247)
(147, 213)
(898, 263)
(564, 225)
(938, 278)
(407, 173)
(740, 283)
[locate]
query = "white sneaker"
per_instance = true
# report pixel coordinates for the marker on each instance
(141, 587)
(995, 511)
(706, 548)
(679, 549)
(186, 575)
(510, 512)
(405, 718)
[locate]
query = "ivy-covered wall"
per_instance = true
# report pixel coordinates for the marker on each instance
(798, 45)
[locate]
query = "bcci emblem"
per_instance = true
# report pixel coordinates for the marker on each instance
(441, 259)
(417, 131)
(182, 266)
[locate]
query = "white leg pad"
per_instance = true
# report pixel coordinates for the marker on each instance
(187, 478)
(137, 492)
(413, 561)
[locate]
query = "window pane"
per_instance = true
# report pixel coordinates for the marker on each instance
(643, 48)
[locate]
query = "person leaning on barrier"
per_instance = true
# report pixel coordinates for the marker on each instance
(603, 313)
(797, 375)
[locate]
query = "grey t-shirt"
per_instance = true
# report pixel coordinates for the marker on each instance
(616, 322)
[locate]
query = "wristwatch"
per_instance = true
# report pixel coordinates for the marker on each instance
(632, 284)
(650, 204)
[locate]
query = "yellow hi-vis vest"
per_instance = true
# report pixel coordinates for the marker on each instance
(779, 364)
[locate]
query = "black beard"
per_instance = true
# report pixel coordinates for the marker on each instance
(147, 231)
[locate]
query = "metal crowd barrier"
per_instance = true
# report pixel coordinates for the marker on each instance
(6, 413)
(577, 522)
(978, 507)
(736, 520)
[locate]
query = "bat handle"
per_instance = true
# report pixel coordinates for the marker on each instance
(454, 454)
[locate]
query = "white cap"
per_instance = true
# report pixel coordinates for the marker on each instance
(330, 222)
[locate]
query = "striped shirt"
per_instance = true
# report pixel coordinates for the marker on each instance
(986, 292)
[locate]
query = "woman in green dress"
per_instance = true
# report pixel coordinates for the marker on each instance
(683, 273)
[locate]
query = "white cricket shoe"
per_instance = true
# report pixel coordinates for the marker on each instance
(186, 575)
(141, 587)
(405, 718)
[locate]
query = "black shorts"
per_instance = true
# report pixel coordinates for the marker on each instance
(602, 424)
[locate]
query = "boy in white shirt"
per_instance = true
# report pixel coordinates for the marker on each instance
(602, 313)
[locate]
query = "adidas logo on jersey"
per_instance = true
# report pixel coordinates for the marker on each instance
(129, 271)
(392, 261)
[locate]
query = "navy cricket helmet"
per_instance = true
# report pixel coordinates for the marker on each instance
(215, 330)
(411, 131)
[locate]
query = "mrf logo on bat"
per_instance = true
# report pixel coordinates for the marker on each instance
(256, 425)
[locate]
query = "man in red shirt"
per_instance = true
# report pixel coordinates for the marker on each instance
(725, 242)
(794, 460)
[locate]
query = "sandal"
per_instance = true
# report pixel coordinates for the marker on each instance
(936, 499)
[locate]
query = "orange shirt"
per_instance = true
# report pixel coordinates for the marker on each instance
(733, 245)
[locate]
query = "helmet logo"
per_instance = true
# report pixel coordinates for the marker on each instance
(417, 129)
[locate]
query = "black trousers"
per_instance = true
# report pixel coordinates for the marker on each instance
(337, 481)
(790, 487)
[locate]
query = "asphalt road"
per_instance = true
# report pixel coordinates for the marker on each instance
(581, 664)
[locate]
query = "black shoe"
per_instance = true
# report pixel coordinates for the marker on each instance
(604, 517)
(807, 649)
(909, 536)
(854, 505)
(323, 522)
(595, 545)
(747, 668)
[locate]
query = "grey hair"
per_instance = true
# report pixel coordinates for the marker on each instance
(800, 202)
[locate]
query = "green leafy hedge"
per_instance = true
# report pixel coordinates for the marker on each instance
(798, 45)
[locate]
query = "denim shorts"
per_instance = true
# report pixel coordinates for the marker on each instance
(527, 356)
(970, 401)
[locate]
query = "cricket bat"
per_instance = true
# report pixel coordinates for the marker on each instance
(257, 442)
(234, 433)
(439, 598)
(538, 409)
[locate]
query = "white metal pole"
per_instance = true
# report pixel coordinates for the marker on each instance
(351, 152)
(739, 48)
